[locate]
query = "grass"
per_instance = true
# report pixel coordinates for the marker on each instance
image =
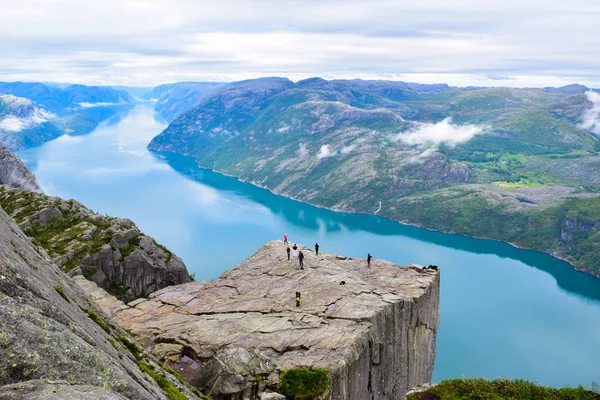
(304, 384)
(98, 320)
(59, 289)
(172, 392)
(132, 347)
(500, 389)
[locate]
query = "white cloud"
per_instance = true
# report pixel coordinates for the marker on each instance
(302, 150)
(13, 123)
(420, 157)
(442, 132)
(98, 104)
(283, 129)
(591, 117)
(496, 42)
(325, 152)
(347, 149)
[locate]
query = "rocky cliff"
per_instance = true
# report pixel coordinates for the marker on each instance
(14, 173)
(372, 329)
(109, 251)
(55, 344)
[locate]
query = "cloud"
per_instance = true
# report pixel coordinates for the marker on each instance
(420, 157)
(13, 123)
(347, 149)
(302, 150)
(460, 42)
(325, 152)
(98, 104)
(591, 117)
(442, 132)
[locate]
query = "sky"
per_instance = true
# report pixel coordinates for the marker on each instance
(149, 42)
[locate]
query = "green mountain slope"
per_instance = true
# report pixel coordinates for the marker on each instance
(505, 164)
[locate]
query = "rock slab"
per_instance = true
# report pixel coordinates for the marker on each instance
(233, 336)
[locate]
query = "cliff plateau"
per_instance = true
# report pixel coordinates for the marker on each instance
(373, 329)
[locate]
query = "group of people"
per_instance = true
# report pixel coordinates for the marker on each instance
(294, 252)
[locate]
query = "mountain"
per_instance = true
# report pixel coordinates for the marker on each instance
(14, 173)
(32, 113)
(176, 98)
(518, 165)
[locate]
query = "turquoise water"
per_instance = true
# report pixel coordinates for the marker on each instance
(505, 312)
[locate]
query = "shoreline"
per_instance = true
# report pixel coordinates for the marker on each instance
(597, 276)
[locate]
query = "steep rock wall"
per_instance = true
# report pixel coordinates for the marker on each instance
(110, 251)
(55, 344)
(235, 335)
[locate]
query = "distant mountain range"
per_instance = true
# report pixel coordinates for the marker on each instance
(518, 165)
(32, 113)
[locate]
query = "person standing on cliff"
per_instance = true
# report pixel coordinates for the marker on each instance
(301, 260)
(369, 260)
(288, 252)
(295, 252)
(285, 239)
(298, 299)
(317, 248)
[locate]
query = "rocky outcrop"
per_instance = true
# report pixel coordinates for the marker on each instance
(109, 251)
(373, 329)
(14, 173)
(55, 344)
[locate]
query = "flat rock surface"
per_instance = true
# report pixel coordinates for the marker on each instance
(253, 307)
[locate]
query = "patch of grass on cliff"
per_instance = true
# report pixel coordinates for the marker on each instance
(304, 384)
(134, 243)
(172, 392)
(167, 251)
(500, 389)
(132, 347)
(59, 289)
(98, 320)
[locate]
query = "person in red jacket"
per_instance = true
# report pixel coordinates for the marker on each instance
(285, 238)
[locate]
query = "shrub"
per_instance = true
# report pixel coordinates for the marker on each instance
(304, 384)
(59, 289)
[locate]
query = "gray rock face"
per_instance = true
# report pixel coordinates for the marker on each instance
(14, 173)
(375, 334)
(109, 251)
(49, 347)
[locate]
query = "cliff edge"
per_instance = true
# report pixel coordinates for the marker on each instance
(110, 251)
(14, 173)
(373, 329)
(55, 344)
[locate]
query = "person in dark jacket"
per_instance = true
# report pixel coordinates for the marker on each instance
(298, 299)
(369, 260)
(288, 252)
(301, 260)
(317, 248)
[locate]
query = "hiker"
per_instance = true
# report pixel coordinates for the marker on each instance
(298, 299)
(301, 260)
(369, 260)
(295, 251)
(317, 248)
(288, 252)
(285, 239)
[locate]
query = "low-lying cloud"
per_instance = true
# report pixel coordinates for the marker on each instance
(302, 150)
(591, 117)
(347, 149)
(442, 132)
(13, 123)
(98, 104)
(325, 152)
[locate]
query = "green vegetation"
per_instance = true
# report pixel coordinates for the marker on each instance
(132, 347)
(59, 289)
(134, 243)
(500, 389)
(511, 182)
(304, 384)
(98, 320)
(171, 391)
